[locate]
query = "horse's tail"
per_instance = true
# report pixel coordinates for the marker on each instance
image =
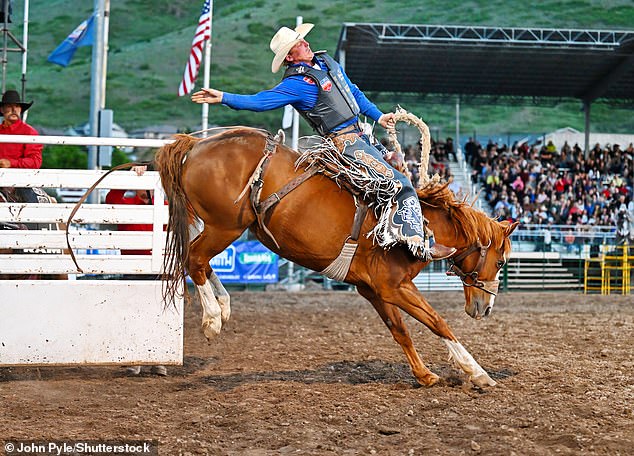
(169, 162)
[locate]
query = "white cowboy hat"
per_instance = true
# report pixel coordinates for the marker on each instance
(284, 40)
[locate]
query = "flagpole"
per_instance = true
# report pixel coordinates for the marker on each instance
(104, 47)
(25, 38)
(206, 72)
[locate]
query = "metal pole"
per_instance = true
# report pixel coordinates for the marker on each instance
(96, 92)
(456, 143)
(25, 39)
(295, 131)
(104, 54)
(5, 33)
(294, 146)
(98, 79)
(206, 72)
(586, 133)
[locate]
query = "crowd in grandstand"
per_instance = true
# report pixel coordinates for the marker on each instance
(543, 185)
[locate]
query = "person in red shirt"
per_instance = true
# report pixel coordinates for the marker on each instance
(141, 198)
(16, 155)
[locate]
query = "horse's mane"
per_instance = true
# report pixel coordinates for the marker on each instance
(471, 222)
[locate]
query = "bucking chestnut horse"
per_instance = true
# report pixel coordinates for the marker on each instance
(215, 178)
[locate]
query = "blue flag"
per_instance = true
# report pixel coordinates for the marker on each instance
(81, 36)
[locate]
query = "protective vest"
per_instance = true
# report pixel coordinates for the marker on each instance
(335, 102)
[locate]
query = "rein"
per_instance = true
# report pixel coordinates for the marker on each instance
(470, 279)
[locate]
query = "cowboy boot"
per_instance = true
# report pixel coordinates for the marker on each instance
(441, 252)
(435, 250)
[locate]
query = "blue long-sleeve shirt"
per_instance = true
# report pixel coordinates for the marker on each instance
(301, 93)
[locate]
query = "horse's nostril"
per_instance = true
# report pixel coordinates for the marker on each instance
(487, 311)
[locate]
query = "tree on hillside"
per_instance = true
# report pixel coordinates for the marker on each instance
(64, 157)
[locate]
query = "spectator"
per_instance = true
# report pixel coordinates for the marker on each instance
(518, 185)
(16, 155)
(449, 149)
(470, 151)
(141, 197)
(548, 240)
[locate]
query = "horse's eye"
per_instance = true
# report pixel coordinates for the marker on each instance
(500, 264)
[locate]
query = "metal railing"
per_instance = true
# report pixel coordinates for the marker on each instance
(565, 239)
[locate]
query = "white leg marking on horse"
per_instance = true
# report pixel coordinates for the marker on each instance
(463, 358)
(492, 297)
(224, 300)
(212, 322)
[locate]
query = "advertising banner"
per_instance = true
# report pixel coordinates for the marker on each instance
(246, 262)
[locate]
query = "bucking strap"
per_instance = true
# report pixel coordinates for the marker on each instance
(338, 269)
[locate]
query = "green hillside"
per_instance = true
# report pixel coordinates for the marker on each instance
(150, 40)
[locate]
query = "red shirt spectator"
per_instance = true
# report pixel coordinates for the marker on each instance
(560, 185)
(15, 155)
(140, 198)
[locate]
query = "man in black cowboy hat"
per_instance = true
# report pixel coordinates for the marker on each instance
(16, 155)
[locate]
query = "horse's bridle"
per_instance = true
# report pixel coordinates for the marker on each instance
(470, 279)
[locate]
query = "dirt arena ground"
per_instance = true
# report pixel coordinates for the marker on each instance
(316, 373)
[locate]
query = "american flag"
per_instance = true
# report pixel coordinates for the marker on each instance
(203, 33)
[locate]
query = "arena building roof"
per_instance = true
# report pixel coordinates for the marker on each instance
(505, 65)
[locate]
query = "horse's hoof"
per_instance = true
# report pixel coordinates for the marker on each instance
(483, 380)
(429, 380)
(211, 328)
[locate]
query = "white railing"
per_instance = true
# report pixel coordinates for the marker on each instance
(88, 320)
(82, 141)
(83, 235)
